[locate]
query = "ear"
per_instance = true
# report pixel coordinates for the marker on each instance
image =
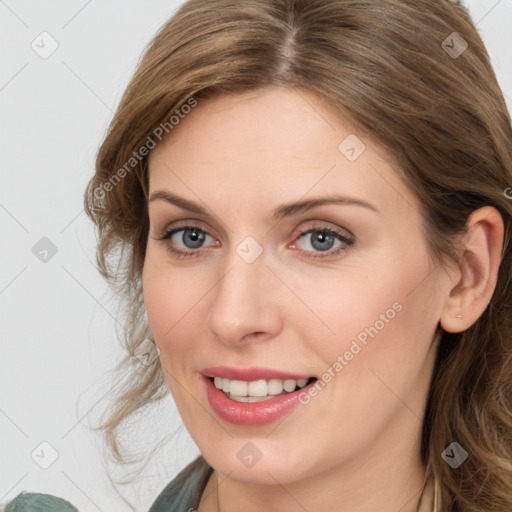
(472, 286)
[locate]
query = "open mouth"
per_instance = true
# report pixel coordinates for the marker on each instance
(258, 390)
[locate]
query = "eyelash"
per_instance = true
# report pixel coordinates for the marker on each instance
(348, 242)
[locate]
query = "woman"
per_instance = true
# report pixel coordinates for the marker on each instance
(310, 201)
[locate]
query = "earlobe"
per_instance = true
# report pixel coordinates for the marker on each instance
(470, 293)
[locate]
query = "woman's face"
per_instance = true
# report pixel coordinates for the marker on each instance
(270, 282)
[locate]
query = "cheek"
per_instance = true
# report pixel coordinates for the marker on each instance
(170, 297)
(383, 316)
(362, 304)
(386, 352)
(169, 303)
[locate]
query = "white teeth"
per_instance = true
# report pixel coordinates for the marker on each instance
(302, 382)
(238, 387)
(289, 385)
(274, 387)
(257, 390)
(248, 398)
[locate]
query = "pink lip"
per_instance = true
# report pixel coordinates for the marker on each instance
(250, 374)
(251, 413)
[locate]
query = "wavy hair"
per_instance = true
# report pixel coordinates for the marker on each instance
(400, 71)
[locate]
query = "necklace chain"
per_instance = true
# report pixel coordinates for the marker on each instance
(218, 504)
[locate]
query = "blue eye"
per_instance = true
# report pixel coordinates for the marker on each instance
(323, 241)
(320, 240)
(191, 238)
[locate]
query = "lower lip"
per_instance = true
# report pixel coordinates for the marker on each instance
(251, 413)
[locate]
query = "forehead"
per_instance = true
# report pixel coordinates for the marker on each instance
(274, 144)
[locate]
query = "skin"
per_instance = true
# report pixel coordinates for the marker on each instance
(355, 446)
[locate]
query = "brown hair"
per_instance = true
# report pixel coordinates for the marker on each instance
(387, 67)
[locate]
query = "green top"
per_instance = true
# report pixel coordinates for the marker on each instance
(181, 494)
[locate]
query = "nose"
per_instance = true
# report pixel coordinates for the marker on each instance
(245, 304)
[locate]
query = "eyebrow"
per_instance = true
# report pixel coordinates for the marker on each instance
(284, 210)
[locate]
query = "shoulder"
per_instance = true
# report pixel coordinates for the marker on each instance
(184, 492)
(35, 502)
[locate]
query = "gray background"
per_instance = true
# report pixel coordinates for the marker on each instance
(58, 337)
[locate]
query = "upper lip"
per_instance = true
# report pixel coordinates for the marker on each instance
(250, 374)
